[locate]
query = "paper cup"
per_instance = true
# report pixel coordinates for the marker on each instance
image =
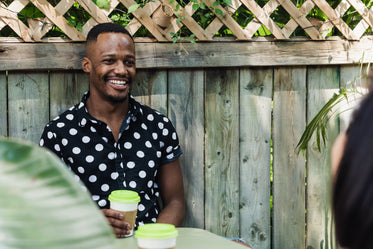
(156, 236)
(126, 202)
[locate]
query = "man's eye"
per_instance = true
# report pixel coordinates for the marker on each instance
(129, 63)
(109, 61)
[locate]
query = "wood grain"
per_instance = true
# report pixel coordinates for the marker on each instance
(3, 105)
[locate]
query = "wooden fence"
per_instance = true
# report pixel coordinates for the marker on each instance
(233, 121)
(179, 16)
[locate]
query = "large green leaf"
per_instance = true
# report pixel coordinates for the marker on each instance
(43, 206)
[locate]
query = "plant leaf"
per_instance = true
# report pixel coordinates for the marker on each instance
(43, 206)
(132, 8)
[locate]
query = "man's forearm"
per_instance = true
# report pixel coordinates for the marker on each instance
(172, 213)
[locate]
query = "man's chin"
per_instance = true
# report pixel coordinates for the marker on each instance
(117, 99)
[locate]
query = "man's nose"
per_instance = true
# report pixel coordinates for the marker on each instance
(120, 68)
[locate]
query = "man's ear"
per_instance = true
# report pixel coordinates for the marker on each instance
(86, 65)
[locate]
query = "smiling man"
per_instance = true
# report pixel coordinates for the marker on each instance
(111, 141)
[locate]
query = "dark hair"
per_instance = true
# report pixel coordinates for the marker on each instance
(107, 27)
(353, 189)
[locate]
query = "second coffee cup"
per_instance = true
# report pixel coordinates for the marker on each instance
(126, 202)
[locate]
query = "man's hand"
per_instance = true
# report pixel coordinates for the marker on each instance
(115, 219)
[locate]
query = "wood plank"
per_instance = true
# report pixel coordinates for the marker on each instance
(55, 56)
(150, 88)
(289, 119)
(221, 147)
(255, 156)
(351, 75)
(341, 9)
(66, 90)
(186, 112)
(3, 105)
(28, 95)
(291, 25)
(322, 82)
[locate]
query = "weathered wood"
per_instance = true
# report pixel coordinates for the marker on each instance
(150, 88)
(186, 112)
(322, 82)
(222, 145)
(3, 105)
(66, 90)
(28, 105)
(289, 118)
(22, 56)
(255, 156)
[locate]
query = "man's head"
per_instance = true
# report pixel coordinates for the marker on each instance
(110, 62)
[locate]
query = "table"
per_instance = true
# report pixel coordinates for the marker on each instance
(191, 238)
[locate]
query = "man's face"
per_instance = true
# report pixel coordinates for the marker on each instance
(110, 62)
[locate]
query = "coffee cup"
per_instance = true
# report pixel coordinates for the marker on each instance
(125, 201)
(156, 236)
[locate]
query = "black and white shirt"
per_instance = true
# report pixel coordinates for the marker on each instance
(147, 141)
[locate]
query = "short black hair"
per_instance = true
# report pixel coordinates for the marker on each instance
(107, 27)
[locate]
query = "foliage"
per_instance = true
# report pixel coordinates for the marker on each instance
(43, 206)
(204, 15)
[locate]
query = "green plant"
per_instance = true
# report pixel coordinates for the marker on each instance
(43, 206)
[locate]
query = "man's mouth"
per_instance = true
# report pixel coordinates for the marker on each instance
(118, 82)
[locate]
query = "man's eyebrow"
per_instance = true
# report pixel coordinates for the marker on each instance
(113, 55)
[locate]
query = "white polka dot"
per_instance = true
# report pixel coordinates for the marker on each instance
(70, 116)
(174, 136)
(41, 142)
(159, 154)
(89, 159)
(150, 117)
(49, 134)
(169, 149)
(170, 156)
(165, 132)
(95, 197)
(71, 160)
(155, 136)
(83, 122)
(142, 174)
(102, 167)
(92, 178)
(140, 154)
(148, 144)
(76, 150)
(105, 139)
(111, 155)
(125, 184)
(150, 184)
(161, 144)
(93, 129)
(144, 126)
(133, 184)
(154, 220)
(99, 147)
(86, 139)
(73, 131)
(136, 135)
(160, 125)
(141, 207)
(165, 119)
(147, 197)
(64, 141)
(127, 145)
(60, 125)
(57, 147)
(102, 203)
(130, 165)
(81, 170)
(151, 163)
(105, 187)
(114, 175)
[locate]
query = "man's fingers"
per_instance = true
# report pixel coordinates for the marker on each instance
(115, 219)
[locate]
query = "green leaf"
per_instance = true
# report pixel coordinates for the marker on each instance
(195, 6)
(216, 3)
(104, 4)
(202, 5)
(228, 2)
(219, 12)
(44, 206)
(132, 8)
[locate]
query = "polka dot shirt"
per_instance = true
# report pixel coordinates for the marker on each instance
(147, 141)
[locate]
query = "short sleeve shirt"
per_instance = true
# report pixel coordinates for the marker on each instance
(147, 141)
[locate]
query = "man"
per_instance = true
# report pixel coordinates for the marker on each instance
(110, 141)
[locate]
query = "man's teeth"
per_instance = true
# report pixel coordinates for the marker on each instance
(118, 82)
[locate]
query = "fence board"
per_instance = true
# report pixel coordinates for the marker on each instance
(186, 111)
(28, 105)
(255, 156)
(150, 88)
(222, 145)
(3, 105)
(289, 108)
(323, 82)
(66, 90)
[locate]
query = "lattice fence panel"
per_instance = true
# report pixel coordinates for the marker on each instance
(167, 20)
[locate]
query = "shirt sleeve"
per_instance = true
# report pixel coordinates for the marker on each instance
(171, 150)
(49, 140)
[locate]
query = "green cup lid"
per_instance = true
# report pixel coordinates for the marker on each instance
(124, 196)
(156, 231)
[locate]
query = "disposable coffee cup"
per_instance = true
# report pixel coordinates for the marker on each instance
(156, 236)
(126, 202)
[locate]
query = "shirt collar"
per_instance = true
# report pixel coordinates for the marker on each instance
(134, 110)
